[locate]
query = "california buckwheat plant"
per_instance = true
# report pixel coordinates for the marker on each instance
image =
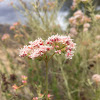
(56, 44)
(59, 50)
(45, 50)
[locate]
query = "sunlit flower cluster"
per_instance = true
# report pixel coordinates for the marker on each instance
(55, 43)
(79, 20)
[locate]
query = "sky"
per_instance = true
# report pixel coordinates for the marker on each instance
(8, 14)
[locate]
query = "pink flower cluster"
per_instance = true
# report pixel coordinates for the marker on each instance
(35, 49)
(62, 44)
(56, 43)
(77, 20)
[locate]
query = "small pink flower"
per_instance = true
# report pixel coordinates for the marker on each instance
(35, 98)
(86, 25)
(58, 51)
(16, 24)
(73, 31)
(24, 77)
(57, 46)
(5, 37)
(49, 95)
(15, 87)
(12, 27)
(85, 29)
(37, 42)
(97, 17)
(11, 3)
(24, 82)
(40, 51)
(96, 78)
(79, 12)
(98, 37)
(71, 19)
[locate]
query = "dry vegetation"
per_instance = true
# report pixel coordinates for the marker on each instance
(68, 79)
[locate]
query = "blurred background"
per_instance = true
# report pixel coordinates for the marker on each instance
(9, 15)
(22, 21)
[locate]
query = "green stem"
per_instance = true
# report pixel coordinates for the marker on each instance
(46, 62)
(66, 84)
(51, 56)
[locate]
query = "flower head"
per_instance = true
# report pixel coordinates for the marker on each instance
(98, 37)
(15, 87)
(16, 24)
(5, 36)
(79, 19)
(96, 78)
(97, 17)
(24, 77)
(12, 27)
(62, 44)
(35, 98)
(56, 43)
(49, 95)
(86, 25)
